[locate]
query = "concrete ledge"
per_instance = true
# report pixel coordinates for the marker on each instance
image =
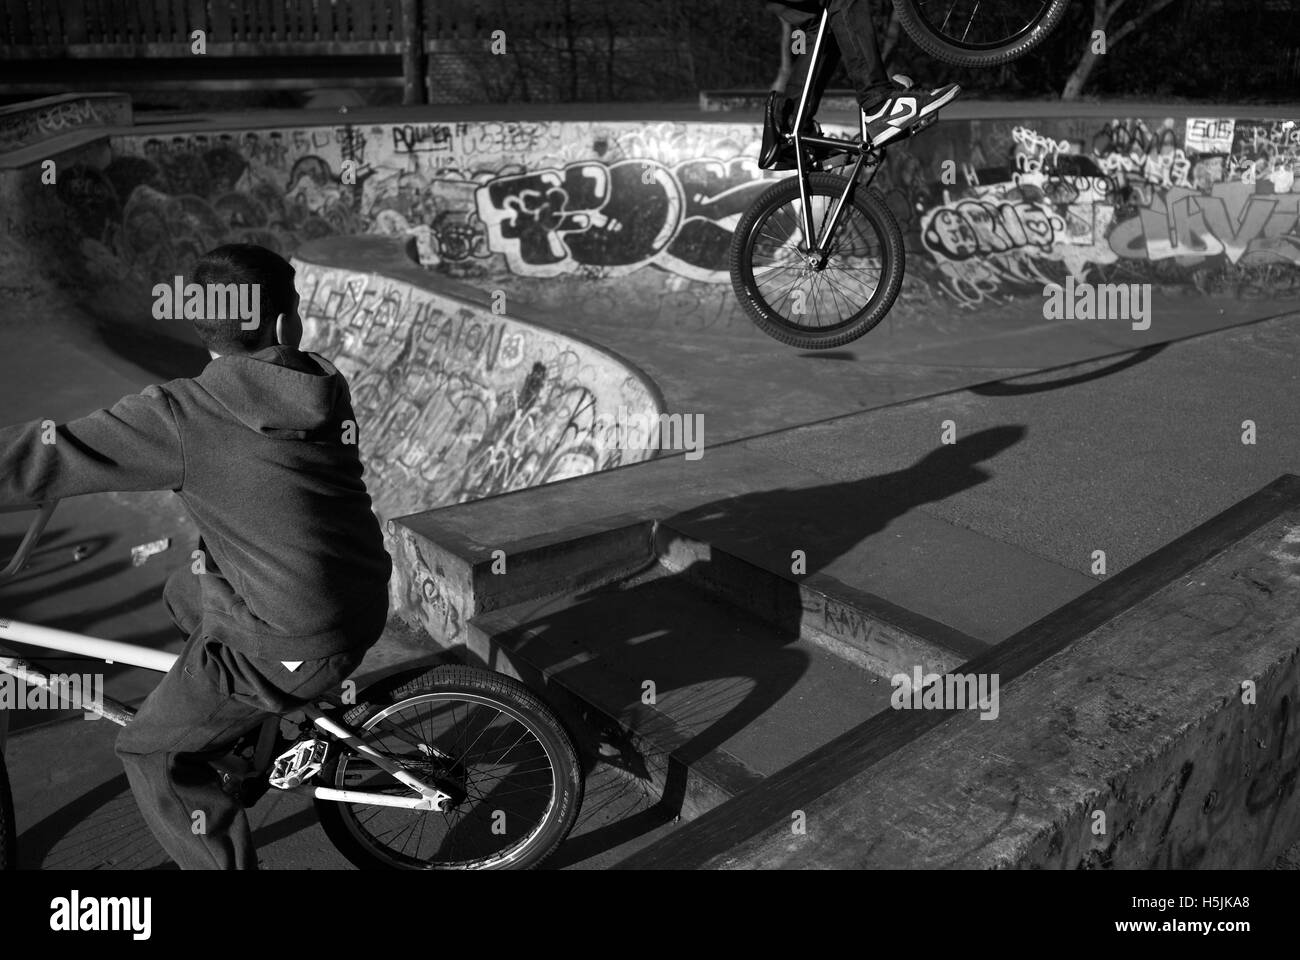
(710, 100)
(1126, 702)
(868, 631)
(35, 121)
(442, 586)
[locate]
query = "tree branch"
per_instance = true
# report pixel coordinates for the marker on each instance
(1137, 21)
(1114, 9)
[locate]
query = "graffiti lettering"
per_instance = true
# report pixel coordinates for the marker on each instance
(456, 404)
(1233, 220)
(972, 228)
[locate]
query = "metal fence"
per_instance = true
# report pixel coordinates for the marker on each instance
(554, 49)
(126, 25)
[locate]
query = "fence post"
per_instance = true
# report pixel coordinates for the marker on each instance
(413, 57)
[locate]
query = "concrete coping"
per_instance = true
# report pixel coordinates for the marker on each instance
(43, 102)
(396, 258)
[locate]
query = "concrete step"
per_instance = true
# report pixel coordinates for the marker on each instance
(859, 627)
(1158, 703)
(688, 692)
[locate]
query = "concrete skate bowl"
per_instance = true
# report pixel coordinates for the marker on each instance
(627, 222)
(457, 401)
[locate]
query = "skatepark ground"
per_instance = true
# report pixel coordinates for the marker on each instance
(1071, 437)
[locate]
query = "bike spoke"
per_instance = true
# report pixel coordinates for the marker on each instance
(500, 763)
(831, 296)
(981, 23)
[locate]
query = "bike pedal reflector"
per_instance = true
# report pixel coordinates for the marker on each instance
(146, 550)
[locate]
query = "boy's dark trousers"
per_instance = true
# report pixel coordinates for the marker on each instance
(211, 697)
(852, 39)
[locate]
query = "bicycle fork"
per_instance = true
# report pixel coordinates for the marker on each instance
(819, 245)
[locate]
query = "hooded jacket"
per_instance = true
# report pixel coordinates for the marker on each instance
(255, 448)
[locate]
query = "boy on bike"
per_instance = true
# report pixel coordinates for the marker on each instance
(290, 585)
(891, 107)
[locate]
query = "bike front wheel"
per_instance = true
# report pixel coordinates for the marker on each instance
(817, 307)
(517, 775)
(979, 33)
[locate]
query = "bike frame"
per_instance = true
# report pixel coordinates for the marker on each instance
(862, 152)
(110, 651)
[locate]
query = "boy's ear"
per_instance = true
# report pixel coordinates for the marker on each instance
(279, 329)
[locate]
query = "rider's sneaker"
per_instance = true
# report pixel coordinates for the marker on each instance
(777, 153)
(901, 111)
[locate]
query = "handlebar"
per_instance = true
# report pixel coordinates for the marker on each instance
(31, 538)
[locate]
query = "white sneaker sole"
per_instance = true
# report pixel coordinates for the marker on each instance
(904, 114)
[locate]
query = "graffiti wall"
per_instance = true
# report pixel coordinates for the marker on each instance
(991, 209)
(1208, 204)
(456, 402)
(538, 199)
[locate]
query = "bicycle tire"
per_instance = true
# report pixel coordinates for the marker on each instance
(386, 697)
(8, 829)
(870, 204)
(944, 48)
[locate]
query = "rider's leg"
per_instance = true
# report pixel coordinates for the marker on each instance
(855, 33)
(889, 109)
(210, 698)
(852, 40)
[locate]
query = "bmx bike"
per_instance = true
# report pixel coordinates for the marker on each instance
(452, 767)
(817, 260)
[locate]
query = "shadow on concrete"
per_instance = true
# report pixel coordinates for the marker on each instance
(53, 571)
(1004, 388)
(127, 844)
(80, 619)
(163, 357)
(637, 631)
(829, 355)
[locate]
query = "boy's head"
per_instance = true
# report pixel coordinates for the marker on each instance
(247, 264)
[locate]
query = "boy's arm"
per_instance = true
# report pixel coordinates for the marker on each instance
(132, 446)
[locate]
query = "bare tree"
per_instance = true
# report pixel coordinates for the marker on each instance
(1103, 13)
(787, 58)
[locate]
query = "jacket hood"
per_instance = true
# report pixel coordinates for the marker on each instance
(280, 392)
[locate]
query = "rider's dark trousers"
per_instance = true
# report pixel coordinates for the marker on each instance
(852, 41)
(210, 698)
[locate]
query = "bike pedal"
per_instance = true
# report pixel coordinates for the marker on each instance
(298, 764)
(834, 163)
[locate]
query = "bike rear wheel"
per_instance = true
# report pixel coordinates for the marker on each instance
(8, 831)
(508, 752)
(817, 309)
(979, 33)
